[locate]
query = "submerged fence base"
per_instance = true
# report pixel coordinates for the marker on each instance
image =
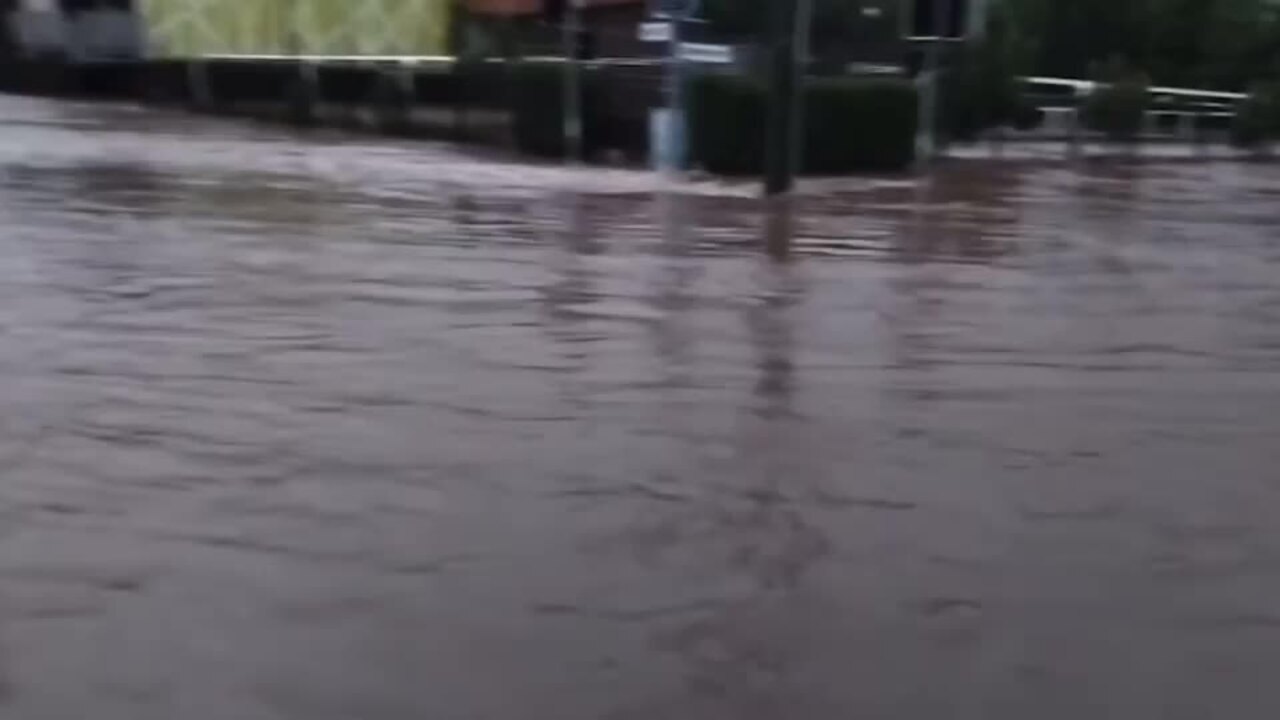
(492, 102)
(482, 101)
(426, 98)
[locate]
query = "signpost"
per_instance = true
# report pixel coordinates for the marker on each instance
(668, 127)
(656, 32)
(934, 23)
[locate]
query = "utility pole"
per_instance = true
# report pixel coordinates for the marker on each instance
(670, 128)
(929, 92)
(677, 118)
(788, 45)
(572, 28)
(936, 23)
(800, 39)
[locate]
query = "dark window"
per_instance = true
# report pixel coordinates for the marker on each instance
(940, 18)
(73, 6)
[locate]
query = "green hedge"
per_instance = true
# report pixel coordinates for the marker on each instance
(727, 119)
(853, 125)
(614, 107)
(538, 94)
(850, 125)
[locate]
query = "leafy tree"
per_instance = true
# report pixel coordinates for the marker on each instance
(1119, 104)
(1222, 44)
(980, 88)
(1242, 44)
(1215, 43)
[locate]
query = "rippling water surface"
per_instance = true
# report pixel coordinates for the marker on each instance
(323, 428)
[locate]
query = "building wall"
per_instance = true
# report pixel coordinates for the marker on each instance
(186, 28)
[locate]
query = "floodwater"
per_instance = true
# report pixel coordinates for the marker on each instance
(328, 428)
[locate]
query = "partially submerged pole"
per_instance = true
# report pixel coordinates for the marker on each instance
(572, 27)
(788, 54)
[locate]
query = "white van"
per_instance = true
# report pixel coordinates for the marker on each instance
(72, 30)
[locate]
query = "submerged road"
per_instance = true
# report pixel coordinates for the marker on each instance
(327, 428)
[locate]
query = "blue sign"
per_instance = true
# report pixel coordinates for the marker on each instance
(667, 140)
(682, 9)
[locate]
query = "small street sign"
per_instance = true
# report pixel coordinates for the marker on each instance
(706, 53)
(656, 32)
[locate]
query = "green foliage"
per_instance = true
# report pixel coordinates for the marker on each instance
(1257, 120)
(980, 88)
(1119, 103)
(850, 125)
(1226, 44)
(187, 28)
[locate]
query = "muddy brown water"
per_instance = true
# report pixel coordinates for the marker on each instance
(326, 428)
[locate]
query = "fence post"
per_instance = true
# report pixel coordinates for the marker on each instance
(305, 95)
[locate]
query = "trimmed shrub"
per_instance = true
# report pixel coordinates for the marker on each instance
(165, 81)
(859, 125)
(1027, 116)
(727, 120)
(850, 125)
(1119, 102)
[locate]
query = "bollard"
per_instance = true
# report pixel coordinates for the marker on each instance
(1185, 129)
(1073, 134)
(393, 99)
(1196, 134)
(199, 90)
(304, 96)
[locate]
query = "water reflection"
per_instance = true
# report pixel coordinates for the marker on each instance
(771, 323)
(675, 292)
(964, 216)
(573, 287)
